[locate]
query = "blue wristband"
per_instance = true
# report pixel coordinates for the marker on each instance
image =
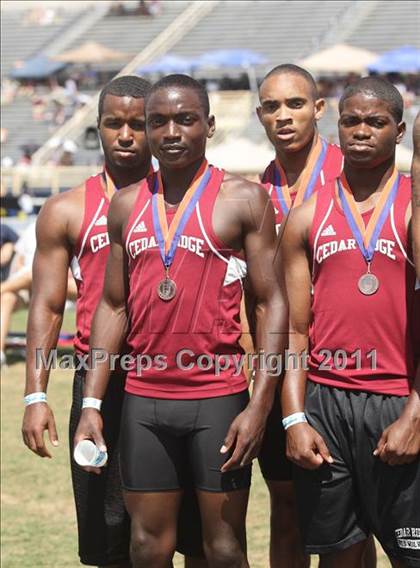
(35, 397)
(292, 419)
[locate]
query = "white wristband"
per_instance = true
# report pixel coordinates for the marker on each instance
(90, 402)
(292, 419)
(35, 397)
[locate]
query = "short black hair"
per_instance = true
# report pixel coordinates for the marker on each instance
(184, 82)
(290, 69)
(379, 89)
(124, 86)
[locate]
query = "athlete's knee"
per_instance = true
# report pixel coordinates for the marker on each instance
(225, 552)
(347, 558)
(147, 549)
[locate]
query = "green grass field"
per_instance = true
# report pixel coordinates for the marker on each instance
(37, 513)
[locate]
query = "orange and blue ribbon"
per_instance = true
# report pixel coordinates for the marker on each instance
(168, 237)
(307, 178)
(367, 236)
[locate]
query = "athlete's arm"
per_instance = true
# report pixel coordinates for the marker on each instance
(400, 442)
(259, 243)
(109, 326)
(49, 287)
(415, 180)
(305, 446)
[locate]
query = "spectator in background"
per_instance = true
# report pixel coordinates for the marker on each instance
(67, 156)
(8, 238)
(15, 290)
(117, 9)
(155, 7)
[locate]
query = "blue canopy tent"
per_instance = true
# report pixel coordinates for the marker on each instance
(168, 64)
(230, 58)
(38, 67)
(402, 60)
(244, 58)
(233, 58)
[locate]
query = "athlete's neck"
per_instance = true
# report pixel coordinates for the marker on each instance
(177, 181)
(294, 163)
(364, 182)
(122, 177)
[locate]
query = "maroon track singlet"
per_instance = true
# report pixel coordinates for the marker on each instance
(89, 261)
(373, 335)
(177, 339)
(331, 168)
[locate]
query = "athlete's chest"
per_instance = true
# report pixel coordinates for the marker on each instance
(143, 236)
(336, 246)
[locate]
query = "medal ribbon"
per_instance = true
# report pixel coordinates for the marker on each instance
(168, 238)
(307, 178)
(367, 237)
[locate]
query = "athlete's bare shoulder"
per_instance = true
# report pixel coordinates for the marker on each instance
(299, 220)
(122, 205)
(239, 187)
(61, 216)
(124, 200)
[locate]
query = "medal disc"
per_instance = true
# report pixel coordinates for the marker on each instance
(368, 284)
(166, 289)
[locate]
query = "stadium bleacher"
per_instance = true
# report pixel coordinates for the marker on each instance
(389, 25)
(287, 33)
(22, 40)
(139, 31)
(259, 27)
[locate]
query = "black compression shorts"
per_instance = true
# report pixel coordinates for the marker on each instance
(165, 443)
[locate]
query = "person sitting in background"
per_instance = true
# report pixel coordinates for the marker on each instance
(8, 237)
(15, 290)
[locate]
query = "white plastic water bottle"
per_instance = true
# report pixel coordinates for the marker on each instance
(86, 453)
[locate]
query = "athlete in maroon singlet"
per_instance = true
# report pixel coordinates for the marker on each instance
(415, 176)
(353, 419)
(187, 411)
(72, 232)
(290, 108)
(215, 295)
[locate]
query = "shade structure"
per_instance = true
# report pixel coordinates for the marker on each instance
(244, 58)
(340, 58)
(168, 64)
(230, 58)
(91, 52)
(405, 59)
(37, 67)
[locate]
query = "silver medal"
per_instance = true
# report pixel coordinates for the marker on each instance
(368, 284)
(166, 289)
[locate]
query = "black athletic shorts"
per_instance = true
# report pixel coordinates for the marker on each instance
(342, 503)
(274, 464)
(103, 523)
(165, 443)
